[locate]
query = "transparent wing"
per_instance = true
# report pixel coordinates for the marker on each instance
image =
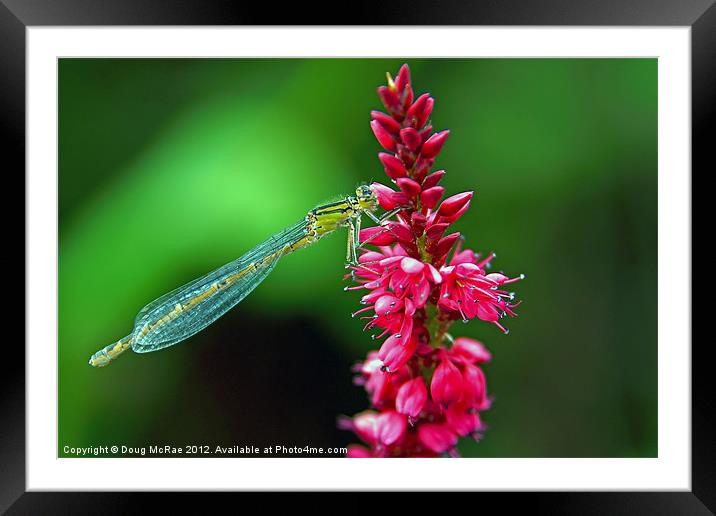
(189, 309)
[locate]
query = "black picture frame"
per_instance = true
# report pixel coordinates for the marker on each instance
(17, 15)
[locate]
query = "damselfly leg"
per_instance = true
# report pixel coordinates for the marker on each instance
(354, 244)
(353, 231)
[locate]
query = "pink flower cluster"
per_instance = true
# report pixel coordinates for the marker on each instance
(426, 388)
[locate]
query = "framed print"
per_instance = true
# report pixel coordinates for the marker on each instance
(250, 254)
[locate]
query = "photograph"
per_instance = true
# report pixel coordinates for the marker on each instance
(357, 257)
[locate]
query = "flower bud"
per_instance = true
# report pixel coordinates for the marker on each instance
(377, 235)
(437, 437)
(388, 122)
(454, 203)
(422, 167)
(473, 384)
(429, 198)
(457, 215)
(420, 110)
(390, 100)
(447, 384)
(387, 197)
(391, 427)
(432, 146)
(418, 222)
(471, 349)
(462, 420)
(387, 305)
(435, 231)
(445, 244)
(365, 425)
(411, 138)
(393, 354)
(406, 155)
(402, 232)
(394, 168)
(411, 397)
(383, 136)
(433, 179)
(407, 97)
(402, 79)
(408, 186)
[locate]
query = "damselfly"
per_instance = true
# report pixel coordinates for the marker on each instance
(187, 310)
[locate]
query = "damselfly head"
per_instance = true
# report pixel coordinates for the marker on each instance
(366, 197)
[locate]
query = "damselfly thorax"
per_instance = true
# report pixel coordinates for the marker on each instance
(189, 309)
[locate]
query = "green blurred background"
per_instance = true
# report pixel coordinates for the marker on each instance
(170, 168)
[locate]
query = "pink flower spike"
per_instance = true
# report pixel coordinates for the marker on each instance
(411, 138)
(447, 384)
(437, 437)
(383, 136)
(411, 397)
(429, 198)
(424, 393)
(391, 427)
(454, 203)
(432, 147)
(408, 186)
(394, 168)
(433, 179)
(471, 349)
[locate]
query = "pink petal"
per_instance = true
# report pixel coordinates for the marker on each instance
(411, 265)
(437, 437)
(411, 397)
(391, 427)
(471, 349)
